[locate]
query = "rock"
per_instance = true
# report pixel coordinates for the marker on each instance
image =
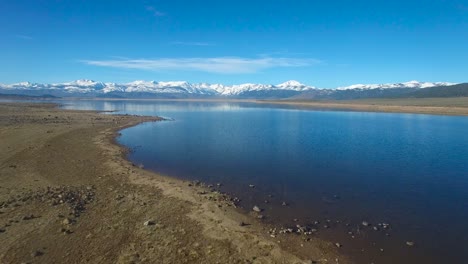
(251, 186)
(256, 209)
(149, 223)
(260, 217)
(409, 243)
(338, 245)
(284, 204)
(66, 221)
(375, 228)
(364, 223)
(65, 231)
(28, 217)
(37, 253)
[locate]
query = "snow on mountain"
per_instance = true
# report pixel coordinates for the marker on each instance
(22, 85)
(294, 85)
(91, 87)
(83, 83)
(410, 84)
(242, 88)
(167, 87)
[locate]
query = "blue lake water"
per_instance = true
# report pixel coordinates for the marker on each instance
(408, 170)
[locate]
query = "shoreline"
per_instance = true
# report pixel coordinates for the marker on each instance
(430, 106)
(374, 106)
(79, 149)
(451, 106)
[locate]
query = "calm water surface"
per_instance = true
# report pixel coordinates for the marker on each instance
(408, 170)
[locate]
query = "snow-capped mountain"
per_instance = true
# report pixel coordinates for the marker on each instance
(185, 89)
(89, 86)
(410, 84)
(295, 85)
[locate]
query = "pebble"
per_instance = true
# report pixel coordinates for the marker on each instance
(410, 243)
(149, 223)
(364, 223)
(66, 221)
(251, 186)
(284, 204)
(37, 253)
(28, 217)
(257, 209)
(338, 245)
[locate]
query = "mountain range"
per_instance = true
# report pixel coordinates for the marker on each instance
(182, 89)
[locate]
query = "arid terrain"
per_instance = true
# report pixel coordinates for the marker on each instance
(433, 106)
(67, 195)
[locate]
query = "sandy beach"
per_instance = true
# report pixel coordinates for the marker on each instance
(68, 195)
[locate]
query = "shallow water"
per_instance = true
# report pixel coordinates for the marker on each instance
(408, 170)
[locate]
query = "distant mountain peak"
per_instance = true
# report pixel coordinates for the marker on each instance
(410, 84)
(184, 89)
(290, 83)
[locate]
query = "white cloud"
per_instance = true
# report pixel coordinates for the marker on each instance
(227, 65)
(184, 43)
(154, 11)
(24, 37)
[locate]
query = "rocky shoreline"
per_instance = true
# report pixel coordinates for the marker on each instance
(68, 195)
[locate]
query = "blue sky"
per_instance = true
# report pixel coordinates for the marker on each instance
(321, 43)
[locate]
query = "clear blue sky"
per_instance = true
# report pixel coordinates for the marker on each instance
(321, 43)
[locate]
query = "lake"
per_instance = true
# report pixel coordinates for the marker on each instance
(336, 167)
